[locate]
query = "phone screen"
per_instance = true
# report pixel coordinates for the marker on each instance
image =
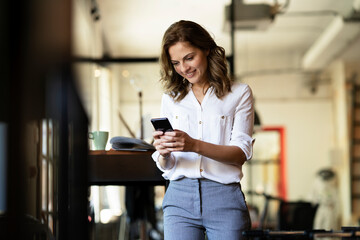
(161, 124)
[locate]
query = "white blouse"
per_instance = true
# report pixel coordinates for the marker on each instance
(226, 121)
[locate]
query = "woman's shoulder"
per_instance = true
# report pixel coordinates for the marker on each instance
(240, 87)
(168, 99)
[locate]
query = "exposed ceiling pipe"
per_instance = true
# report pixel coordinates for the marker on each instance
(331, 44)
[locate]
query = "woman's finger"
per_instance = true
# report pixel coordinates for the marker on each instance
(157, 142)
(157, 134)
(174, 146)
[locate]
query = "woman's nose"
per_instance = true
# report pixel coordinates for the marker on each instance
(184, 67)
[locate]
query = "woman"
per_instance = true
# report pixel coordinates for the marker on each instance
(203, 157)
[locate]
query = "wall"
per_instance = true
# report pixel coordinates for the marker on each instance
(299, 101)
(286, 100)
(315, 119)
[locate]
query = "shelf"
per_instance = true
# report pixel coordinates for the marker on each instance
(355, 178)
(355, 196)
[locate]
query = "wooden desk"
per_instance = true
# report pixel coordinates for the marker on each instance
(123, 168)
(127, 168)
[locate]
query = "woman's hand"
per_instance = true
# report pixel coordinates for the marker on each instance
(178, 140)
(158, 144)
(165, 159)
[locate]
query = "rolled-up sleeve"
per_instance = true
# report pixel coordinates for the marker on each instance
(167, 173)
(241, 134)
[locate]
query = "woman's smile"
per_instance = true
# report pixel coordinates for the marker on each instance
(190, 74)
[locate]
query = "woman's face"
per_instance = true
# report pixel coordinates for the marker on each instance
(190, 62)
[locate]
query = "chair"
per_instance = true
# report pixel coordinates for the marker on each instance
(297, 215)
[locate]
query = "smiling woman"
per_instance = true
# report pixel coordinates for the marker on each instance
(204, 160)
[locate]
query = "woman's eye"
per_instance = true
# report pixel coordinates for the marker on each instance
(189, 58)
(175, 63)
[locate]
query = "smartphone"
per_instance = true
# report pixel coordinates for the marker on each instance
(162, 124)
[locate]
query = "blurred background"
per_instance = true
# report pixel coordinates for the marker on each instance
(71, 67)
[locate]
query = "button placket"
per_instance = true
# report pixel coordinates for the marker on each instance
(200, 127)
(200, 134)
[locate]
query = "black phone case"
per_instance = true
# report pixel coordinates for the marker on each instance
(161, 124)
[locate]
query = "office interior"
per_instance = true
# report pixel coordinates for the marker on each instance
(73, 67)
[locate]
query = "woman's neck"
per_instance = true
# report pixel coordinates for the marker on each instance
(200, 90)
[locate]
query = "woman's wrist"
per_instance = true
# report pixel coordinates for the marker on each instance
(167, 162)
(196, 146)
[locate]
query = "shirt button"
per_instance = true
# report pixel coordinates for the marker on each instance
(222, 117)
(201, 170)
(176, 117)
(199, 122)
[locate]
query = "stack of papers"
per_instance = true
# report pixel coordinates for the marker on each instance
(130, 144)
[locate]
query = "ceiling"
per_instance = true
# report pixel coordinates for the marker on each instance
(135, 28)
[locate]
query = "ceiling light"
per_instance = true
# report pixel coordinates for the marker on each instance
(97, 73)
(249, 16)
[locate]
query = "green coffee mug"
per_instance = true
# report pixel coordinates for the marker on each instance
(99, 139)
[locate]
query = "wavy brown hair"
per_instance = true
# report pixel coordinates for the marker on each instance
(197, 36)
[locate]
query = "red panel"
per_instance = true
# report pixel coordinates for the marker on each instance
(282, 186)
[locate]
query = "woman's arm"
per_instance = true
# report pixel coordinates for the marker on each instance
(222, 153)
